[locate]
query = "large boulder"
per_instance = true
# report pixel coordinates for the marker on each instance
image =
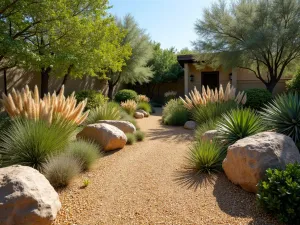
(124, 126)
(209, 135)
(143, 111)
(26, 197)
(190, 125)
(106, 135)
(249, 158)
(138, 115)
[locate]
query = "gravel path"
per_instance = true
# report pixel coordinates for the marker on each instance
(147, 184)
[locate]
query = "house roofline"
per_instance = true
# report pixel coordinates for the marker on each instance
(182, 59)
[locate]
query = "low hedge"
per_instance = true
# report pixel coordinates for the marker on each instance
(257, 98)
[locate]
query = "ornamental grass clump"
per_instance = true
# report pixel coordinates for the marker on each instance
(142, 98)
(130, 139)
(195, 98)
(139, 135)
(144, 106)
(206, 157)
(129, 106)
(238, 124)
(169, 95)
(104, 112)
(27, 104)
(174, 113)
(283, 115)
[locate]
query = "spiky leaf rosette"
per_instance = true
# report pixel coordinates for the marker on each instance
(283, 115)
(238, 124)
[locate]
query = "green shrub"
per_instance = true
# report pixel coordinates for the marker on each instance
(211, 111)
(293, 85)
(94, 99)
(125, 94)
(30, 143)
(144, 106)
(174, 113)
(126, 117)
(60, 170)
(103, 112)
(283, 115)
(279, 194)
(130, 139)
(84, 152)
(139, 135)
(206, 157)
(257, 98)
(238, 124)
(206, 126)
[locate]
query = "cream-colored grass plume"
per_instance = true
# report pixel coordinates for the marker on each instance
(208, 95)
(142, 98)
(27, 104)
(129, 106)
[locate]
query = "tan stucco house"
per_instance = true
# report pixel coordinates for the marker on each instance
(242, 79)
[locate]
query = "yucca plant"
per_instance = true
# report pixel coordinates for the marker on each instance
(103, 112)
(30, 143)
(238, 124)
(129, 106)
(206, 157)
(283, 115)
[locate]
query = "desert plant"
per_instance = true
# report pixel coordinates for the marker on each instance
(85, 152)
(169, 95)
(211, 110)
(103, 112)
(60, 170)
(86, 183)
(283, 115)
(293, 85)
(27, 104)
(206, 126)
(208, 95)
(30, 143)
(139, 135)
(125, 94)
(257, 98)
(129, 106)
(126, 117)
(144, 106)
(142, 98)
(238, 124)
(94, 99)
(174, 113)
(130, 139)
(206, 157)
(279, 193)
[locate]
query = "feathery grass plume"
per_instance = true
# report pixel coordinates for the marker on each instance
(142, 98)
(27, 104)
(208, 95)
(129, 106)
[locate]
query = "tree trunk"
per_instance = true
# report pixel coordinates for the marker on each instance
(271, 85)
(111, 88)
(5, 81)
(66, 76)
(44, 81)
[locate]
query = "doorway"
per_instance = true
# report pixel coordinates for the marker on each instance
(210, 79)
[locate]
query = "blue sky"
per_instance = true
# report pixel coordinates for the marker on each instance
(170, 22)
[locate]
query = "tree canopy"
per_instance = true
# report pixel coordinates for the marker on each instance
(258, 35)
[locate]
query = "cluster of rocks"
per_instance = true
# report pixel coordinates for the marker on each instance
(248, 159)
(110, 134)
(140, 114)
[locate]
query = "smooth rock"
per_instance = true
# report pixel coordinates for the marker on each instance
(124, 126)
(249, 158)
(26, 197)
(138, 115)
(209, 135)
(190, 125)
(106, 135)
(143, 111)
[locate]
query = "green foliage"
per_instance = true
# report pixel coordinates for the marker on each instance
(103, 112)
(279, 193)
(84, 152)
(206, 126)
(144, 106)
(253, 35)
(174, 113)
(30, 143)
(211, 111)
(86, 183)
(94, 99)
(139, 135)
(125, 94)
(238, 124)
(206, 157)
(293, 85)
(257, 98)
(130, 139)
(60, 170)
(126, 117)
(5, 121)
(283, 115)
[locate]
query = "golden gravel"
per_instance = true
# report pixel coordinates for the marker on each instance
(146, 184)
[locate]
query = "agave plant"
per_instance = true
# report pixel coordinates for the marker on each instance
(238, 124)
(283, 115)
